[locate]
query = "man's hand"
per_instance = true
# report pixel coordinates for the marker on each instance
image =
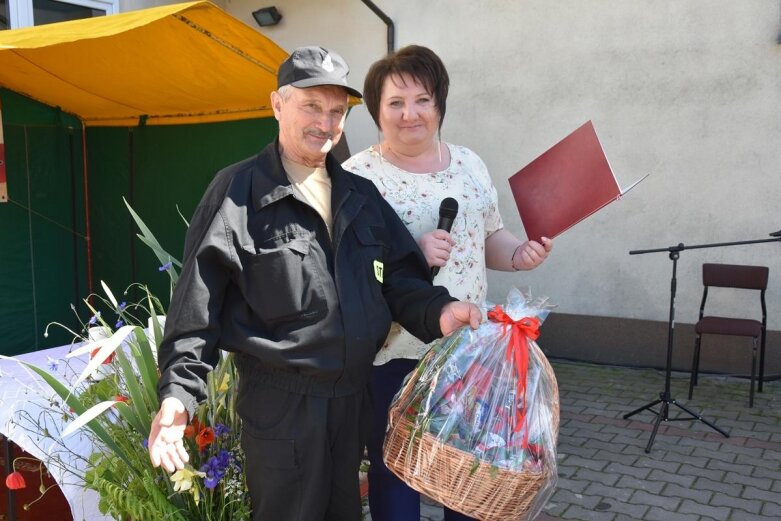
(166, 447)
(457, 314)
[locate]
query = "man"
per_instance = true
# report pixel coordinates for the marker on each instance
(298, 267)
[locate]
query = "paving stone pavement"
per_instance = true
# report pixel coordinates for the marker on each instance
(692, 472)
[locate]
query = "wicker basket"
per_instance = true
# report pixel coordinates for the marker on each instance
(448, 475)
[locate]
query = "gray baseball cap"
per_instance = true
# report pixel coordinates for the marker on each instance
(313, 66)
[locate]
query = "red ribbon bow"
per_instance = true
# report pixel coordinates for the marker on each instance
(518, 351)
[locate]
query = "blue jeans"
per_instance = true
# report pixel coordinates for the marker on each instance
(390, 499)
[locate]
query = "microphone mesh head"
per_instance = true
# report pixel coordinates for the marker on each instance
(448, 208)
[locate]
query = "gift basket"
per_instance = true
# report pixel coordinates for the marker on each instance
(475, 424)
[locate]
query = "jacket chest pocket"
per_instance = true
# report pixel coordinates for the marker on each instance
(372, 255)
(282, 282)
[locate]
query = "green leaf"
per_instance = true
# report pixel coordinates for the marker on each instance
(74, 403)
(93, 343)
(157, 331)
(86, 417)
(107, 347)
(145, 361)
(131, 417)
(162, 255)
(179, 211)
(95, 314)
(145, 231)
(138, 402)
(109, 295)
(148, 238)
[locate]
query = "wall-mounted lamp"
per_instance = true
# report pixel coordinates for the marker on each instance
(267, 16)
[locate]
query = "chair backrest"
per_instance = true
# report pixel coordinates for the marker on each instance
(735, 276)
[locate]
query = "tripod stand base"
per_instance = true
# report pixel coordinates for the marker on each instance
(663, 414)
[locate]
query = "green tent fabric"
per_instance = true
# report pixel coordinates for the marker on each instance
(67, 173)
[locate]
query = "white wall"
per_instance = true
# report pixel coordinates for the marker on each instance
(347, 27)
(132, 5)
(688, 91)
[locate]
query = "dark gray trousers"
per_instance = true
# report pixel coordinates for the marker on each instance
(302, 453)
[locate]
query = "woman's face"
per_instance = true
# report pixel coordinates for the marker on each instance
(408, 113)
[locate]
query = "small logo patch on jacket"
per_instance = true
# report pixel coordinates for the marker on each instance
(378, 268)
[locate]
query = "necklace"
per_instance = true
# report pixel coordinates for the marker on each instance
(424, 163)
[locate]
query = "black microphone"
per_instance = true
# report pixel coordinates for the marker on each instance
(448, 209)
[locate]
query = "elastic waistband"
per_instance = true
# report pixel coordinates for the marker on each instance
(252, 370)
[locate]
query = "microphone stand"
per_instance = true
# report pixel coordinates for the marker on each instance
(665, 397)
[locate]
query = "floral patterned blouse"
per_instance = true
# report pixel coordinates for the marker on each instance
(416, 199)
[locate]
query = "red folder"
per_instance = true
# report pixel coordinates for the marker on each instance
(566, 184)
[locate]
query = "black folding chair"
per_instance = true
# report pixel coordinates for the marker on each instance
(739, 277)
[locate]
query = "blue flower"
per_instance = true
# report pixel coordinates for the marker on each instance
(224, 458)
(211, 482)
(215, 468)
(221, 429)
(119, 324)
(145, 443)
(94, 319)
(53, 364)
(165, 267)
(122, 305)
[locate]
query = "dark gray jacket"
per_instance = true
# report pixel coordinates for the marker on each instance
(263, 278)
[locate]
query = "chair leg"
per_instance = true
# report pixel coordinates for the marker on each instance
(695, 365)
(762, 361)
(753, 370)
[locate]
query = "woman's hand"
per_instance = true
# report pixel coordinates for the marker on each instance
(505, 252)
(436, 246)
(531, 254)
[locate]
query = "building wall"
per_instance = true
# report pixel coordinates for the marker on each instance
(686, 91)
(132, 5)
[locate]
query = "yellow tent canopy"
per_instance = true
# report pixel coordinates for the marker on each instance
(183, 63)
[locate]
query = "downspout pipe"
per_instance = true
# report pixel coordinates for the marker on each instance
(385, 18)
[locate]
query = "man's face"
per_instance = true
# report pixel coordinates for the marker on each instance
(311, 121)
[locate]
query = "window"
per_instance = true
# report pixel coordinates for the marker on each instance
(5, 18)
(50, 11)
(25, 13)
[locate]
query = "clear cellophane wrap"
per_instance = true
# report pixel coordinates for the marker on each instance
(475, 425)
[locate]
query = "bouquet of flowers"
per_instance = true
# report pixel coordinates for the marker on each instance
(475, 425)
(112, 402)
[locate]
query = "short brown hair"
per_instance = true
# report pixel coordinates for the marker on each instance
(421, 63)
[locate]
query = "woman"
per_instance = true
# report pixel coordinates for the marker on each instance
(406, 94)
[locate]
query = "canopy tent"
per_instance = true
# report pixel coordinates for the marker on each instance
(183, 63)
(118, 93)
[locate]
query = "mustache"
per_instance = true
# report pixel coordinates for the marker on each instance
(318, 134)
